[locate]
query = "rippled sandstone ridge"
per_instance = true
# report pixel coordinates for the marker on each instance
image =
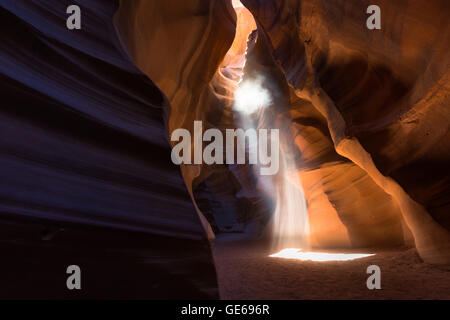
(367, 110)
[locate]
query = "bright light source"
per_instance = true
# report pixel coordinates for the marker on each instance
(237, 4)
(250, 96)
(298, 254)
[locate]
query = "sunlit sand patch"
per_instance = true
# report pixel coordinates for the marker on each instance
(298, 254)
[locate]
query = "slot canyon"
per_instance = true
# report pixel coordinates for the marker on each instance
(85, 150)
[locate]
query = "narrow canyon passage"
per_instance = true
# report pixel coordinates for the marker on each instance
(119, 181)
(342, 191)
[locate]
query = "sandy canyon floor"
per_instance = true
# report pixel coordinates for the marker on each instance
(246, 271)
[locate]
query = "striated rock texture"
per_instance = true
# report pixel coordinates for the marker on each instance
(380, 100)
(85, 163)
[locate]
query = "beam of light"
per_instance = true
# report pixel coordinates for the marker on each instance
(251, 96)
(290, 220)
(298, 254)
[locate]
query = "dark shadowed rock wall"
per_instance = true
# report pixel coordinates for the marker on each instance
(86, 174)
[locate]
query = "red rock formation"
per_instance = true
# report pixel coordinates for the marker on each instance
(366, 109)
(383, 95)
(180, 45)
(346, 208)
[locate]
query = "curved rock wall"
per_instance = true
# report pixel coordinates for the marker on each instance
(180, 45)
(194, 52)
(383, 95)
(345, 207)
(85, 164)
(360, 105)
